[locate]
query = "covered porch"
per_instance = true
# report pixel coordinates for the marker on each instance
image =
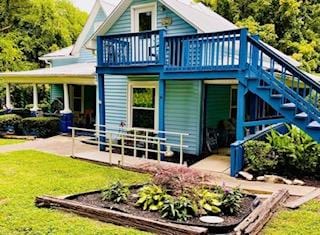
(73, 88)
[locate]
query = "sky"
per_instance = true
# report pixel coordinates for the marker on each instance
(84, 5)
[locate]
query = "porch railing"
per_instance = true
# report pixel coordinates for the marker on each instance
(194, 52)
(208, 51)
(142, 48)
(135, 139)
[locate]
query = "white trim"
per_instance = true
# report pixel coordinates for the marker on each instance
(222, 82)
(143, 84)
(137, 9)
(81, 40)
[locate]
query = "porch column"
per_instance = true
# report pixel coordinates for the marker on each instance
(162, 94)
(67, 117)
(8, 97)
(102, 112)
(66, 104)
(35, 107)
(241, 112)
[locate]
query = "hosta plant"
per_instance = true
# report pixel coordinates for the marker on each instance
(208, 202)
(231, 199)
(152, 197)
(116, 192)
(180, 209)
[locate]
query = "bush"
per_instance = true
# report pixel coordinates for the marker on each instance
(45, 107)
(24, 113)
(231, 199)
(9, 121)
(292, 154)
(40, 126)
(259, 157)
(116, 192)
(178, 180)
(180, 209)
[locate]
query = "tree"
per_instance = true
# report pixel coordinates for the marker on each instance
(32, 28)
(292, 26)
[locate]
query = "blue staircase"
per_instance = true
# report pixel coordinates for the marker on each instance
(284, 87)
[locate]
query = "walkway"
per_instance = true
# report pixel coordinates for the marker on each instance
(62, 145)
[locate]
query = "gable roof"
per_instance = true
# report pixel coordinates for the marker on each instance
(107, 6)
(58, 54)
(196, 14)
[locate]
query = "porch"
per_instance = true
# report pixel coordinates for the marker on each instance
(72, 92)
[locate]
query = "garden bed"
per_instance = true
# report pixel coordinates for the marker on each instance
(90, 204)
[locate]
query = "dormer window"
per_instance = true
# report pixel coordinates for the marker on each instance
(143, 17)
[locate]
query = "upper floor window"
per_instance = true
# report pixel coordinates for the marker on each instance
(143, 17)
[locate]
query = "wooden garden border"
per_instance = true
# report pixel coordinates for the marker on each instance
(118, 218)
(258, 218)
(250, 225)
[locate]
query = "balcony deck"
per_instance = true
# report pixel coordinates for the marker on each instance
(154, 52)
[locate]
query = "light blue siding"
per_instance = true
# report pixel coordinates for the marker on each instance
(179, 26)
(56, 91)
(183, 112)
(116, 89)
(62, 62)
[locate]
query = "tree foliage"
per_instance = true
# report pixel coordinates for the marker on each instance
(32, 28)
(292, 26)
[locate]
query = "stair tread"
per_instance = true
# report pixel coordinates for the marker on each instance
(314, 124)
(276, 96)
(289, 105)
(264, 87)
(301, 115)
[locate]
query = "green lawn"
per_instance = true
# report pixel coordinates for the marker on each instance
(27, 174)
(10, 141)
(305, 220)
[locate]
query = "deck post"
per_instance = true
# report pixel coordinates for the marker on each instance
(8, 97)
(243, 48)
(240, 112)
(162, 47)
(162, 97)
(102, 116)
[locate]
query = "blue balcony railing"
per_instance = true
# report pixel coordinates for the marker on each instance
(203, 52)
(196, 52)
(132, 49)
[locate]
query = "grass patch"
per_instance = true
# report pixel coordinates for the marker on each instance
(303, 221)
(10, 141)
(27, 174)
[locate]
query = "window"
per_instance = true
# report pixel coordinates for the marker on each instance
(143, 106)
(233, 102)
(145, 21)
(78, 98)
(143, 17)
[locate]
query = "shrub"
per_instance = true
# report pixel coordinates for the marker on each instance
(8, 121)
(231, 199)
(259, 157)
(24, 113)
(45, 107)
(152, 197)
(180, 209)
(116, 192)
(40, 126)
(178, 180)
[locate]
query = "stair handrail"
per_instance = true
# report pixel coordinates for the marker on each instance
(290, 67)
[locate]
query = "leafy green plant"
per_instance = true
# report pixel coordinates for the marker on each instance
(259, 157)
(180, 209)
(231, 201)
(208, 202)
(152, 197)
(9, 121)
(116, 192)
(40, 126)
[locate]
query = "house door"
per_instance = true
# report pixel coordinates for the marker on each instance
(77, 103)
(143, 20)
